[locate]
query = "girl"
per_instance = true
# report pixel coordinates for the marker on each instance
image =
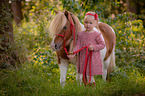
(93, 39)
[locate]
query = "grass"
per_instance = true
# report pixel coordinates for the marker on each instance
(40, 77)
(36, 80)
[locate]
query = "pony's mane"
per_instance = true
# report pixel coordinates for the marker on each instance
(57, 23)
(60, 20)
(77, 23)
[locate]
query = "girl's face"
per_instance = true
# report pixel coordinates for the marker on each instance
(89, 23)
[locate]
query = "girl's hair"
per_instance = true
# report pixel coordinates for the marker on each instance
(92, 15)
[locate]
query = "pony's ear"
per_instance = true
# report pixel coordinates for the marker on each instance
(56, 11)
(68, 16)
(66, 13)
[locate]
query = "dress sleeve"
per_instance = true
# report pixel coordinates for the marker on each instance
(77, 46)
(100, 43)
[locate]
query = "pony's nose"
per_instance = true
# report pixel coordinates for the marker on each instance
(57, 46)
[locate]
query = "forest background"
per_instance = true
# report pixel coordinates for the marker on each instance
(28, 65)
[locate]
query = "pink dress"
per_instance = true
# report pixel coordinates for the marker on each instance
(85, 39)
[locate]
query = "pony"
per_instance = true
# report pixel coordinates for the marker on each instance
(65, 27)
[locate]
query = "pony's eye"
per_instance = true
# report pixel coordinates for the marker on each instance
(64, 27)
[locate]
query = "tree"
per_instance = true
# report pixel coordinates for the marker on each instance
(16, 9)
(137, 7)
(7, 54)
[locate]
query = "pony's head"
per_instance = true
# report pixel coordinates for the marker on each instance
(63, 27)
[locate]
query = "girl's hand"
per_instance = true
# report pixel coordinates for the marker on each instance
(71, 55)
(91, 48)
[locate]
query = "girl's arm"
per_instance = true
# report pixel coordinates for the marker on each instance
(100, 43)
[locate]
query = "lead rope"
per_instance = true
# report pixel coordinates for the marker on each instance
(86, 61)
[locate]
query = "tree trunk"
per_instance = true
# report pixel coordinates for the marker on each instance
(16, 9)
(132, 6)
(6, 35)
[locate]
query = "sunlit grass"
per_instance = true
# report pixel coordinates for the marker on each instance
(32, 80)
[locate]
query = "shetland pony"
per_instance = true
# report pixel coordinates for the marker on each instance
(65, 36)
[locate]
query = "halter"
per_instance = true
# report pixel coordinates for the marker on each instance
(64, 46)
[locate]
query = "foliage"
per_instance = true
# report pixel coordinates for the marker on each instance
(39, 75)
(130, 40)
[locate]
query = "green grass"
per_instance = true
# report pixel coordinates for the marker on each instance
(37, 80)
(40, 76)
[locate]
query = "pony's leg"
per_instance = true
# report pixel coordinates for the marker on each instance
(79, 78)
(109, 64)
(105, 67)
(63, 70)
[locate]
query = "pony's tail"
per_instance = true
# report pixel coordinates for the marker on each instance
(112, 61)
